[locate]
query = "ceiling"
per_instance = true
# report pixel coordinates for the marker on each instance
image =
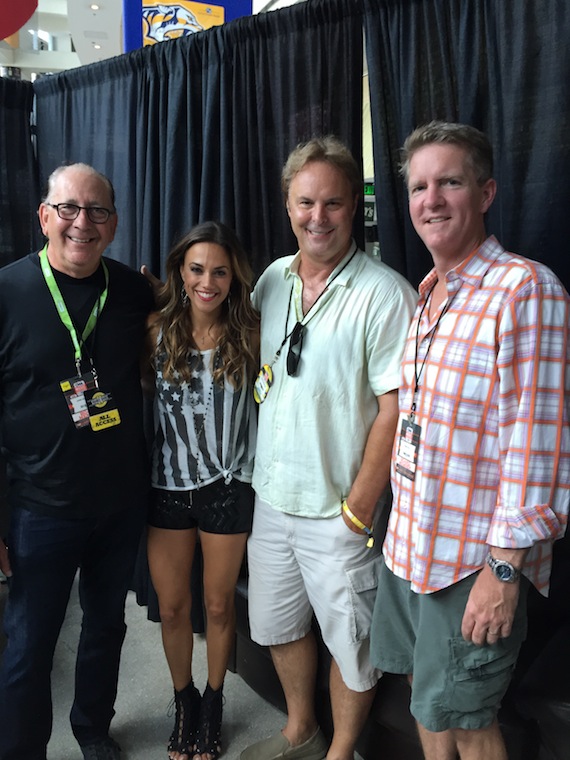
(78, 35)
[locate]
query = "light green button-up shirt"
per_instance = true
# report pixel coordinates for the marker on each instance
(313, 427)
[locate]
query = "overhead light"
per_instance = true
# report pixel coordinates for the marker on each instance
(96, 46)
(94, 7)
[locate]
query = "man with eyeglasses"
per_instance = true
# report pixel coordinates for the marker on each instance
(333, 327)
(72, 325)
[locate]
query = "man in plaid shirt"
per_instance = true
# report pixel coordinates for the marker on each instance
(481, 460)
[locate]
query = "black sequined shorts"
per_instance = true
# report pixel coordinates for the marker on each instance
(216, 508)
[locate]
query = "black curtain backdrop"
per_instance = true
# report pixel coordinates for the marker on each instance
(503, 67)
(19, 229)
(198, 128)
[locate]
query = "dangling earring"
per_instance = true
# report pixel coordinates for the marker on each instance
(184, 296)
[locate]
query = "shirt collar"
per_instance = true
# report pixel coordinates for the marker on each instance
(292, 269)
(471, 270)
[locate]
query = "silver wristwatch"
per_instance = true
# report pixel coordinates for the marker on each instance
(503, 570)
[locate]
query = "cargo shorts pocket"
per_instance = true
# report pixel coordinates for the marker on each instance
(478, 677)
(362, 584)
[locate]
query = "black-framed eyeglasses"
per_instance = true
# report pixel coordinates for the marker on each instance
(295, 346)
(70, 211)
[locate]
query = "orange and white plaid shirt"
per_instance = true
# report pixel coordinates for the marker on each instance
(493, 466)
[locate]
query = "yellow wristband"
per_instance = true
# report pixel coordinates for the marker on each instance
(359, 524)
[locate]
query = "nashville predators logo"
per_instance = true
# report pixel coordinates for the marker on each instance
(167, 22)
(99, 399)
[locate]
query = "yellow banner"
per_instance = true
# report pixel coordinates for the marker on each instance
(163, 21)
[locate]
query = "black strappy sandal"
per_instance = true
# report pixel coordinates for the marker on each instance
(186, 704)
(208, 741)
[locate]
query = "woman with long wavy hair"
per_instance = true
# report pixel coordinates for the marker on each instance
(203, 343)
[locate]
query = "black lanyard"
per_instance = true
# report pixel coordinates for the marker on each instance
(417, 375)
(308, 315)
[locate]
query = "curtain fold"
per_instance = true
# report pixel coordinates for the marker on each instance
(19, 191)
(198, 128)
(502, 67)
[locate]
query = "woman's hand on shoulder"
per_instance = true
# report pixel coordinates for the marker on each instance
(155, 283)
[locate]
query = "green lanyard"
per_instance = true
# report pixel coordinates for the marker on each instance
(62, 308)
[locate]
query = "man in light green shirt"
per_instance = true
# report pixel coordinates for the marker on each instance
(333, 326)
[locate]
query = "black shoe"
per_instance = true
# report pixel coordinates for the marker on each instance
(187, 706)
(209, 733)
(104, 749)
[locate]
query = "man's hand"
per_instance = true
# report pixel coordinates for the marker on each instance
(4, 560)
(490, 609)
(374, 473)
(348, 522)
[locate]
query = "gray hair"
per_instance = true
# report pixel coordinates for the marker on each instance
(56, 173)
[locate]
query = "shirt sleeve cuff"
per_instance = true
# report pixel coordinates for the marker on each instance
(522, 527)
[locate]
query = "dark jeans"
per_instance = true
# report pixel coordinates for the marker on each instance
(45, 553)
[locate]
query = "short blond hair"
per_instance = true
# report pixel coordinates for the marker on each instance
(328, 150)
(475, 144)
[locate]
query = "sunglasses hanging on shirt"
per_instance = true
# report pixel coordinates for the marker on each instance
(264, 379)
(295, 346)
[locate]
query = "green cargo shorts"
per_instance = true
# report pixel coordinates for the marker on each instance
(455, 683)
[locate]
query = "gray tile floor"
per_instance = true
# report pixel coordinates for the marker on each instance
(141, 725)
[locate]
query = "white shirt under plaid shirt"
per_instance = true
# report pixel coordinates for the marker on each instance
(493, 464)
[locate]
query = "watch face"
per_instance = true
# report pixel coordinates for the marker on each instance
(504, 572)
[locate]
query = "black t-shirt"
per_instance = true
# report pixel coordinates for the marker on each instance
(53, 467)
